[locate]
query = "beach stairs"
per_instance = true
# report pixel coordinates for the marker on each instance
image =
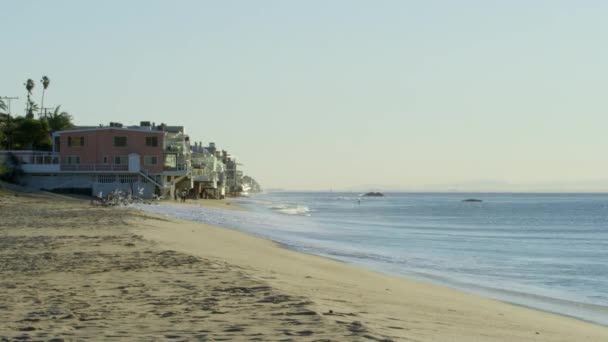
(150, 178)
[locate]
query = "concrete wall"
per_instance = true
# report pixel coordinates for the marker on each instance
(91, 181)
(58, 181)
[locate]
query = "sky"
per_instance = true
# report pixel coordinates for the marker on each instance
(343, 95)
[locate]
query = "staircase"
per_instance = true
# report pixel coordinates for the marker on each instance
(150, 178)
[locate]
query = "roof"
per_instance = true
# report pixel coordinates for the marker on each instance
(105, 128)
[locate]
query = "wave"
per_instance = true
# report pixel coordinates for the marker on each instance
(301, 210)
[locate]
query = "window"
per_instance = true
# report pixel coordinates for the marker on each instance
(75, 141)
(73, 160)
(152, 141)
(150, 160)
(120, 160)
(171, 160)
(120, 141)
(57, 144)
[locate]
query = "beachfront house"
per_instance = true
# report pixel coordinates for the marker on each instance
(144, 160)
(233, 175)
(97, 160)
(207, 173)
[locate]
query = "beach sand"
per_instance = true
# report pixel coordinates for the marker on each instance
(72, 271)
(229, 204)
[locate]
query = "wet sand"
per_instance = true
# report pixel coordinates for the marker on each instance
(71, 271)
(229, 204)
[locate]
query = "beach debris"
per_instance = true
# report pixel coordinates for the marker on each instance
(117, 198)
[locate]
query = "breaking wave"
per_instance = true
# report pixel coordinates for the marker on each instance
(291, 209)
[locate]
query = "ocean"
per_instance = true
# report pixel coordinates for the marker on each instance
(545, 251)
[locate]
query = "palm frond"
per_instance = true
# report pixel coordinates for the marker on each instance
(29, 85)
(45, 82)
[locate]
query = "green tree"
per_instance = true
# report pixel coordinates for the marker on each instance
(4, 122)
(45, 84)
(59, 121)
(31, 133)
(10, 170)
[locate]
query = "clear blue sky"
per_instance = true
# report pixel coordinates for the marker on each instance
(461, 95)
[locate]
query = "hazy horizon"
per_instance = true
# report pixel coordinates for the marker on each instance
(316, 95)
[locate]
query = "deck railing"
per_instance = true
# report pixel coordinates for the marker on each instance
(94, 167)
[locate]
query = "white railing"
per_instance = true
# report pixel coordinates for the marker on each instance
(33, 157)
(151, 178)
(202, 172)
(94, 167)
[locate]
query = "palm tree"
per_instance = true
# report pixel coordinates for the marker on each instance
(45, 84)
(29, 86)
(2, 106)
(59, 121)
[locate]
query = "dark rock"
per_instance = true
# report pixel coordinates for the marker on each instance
(374, 194)
(472, 200)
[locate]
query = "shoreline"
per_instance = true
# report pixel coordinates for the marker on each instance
(227, 204)
(71, 271)
(274, 262)
(423, 280)
(585, 312)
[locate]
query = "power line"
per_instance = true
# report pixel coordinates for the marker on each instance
(9, 98)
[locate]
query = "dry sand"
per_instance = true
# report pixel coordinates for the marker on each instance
(70, 271)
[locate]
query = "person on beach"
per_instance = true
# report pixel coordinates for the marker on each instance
(183, 195)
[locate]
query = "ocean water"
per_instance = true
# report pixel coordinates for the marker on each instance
(545, 251)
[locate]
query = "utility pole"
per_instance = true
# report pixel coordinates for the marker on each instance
(9, 135)
(45, 110)
(9, 99)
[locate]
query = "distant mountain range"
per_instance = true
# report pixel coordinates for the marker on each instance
(489, 186)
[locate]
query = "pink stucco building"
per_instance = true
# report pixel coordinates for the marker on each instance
(110, 149)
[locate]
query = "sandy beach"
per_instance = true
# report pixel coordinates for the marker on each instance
(72, 271)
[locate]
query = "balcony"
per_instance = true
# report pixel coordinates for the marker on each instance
(178, 170)
(96, 168)
(203, 175)
(34, 161)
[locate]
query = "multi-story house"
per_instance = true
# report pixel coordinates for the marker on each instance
(233, 175)
(176, 175)
(144, 160)
(207, 173)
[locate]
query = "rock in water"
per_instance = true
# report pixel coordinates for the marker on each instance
(472, 200)
(374, 194)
